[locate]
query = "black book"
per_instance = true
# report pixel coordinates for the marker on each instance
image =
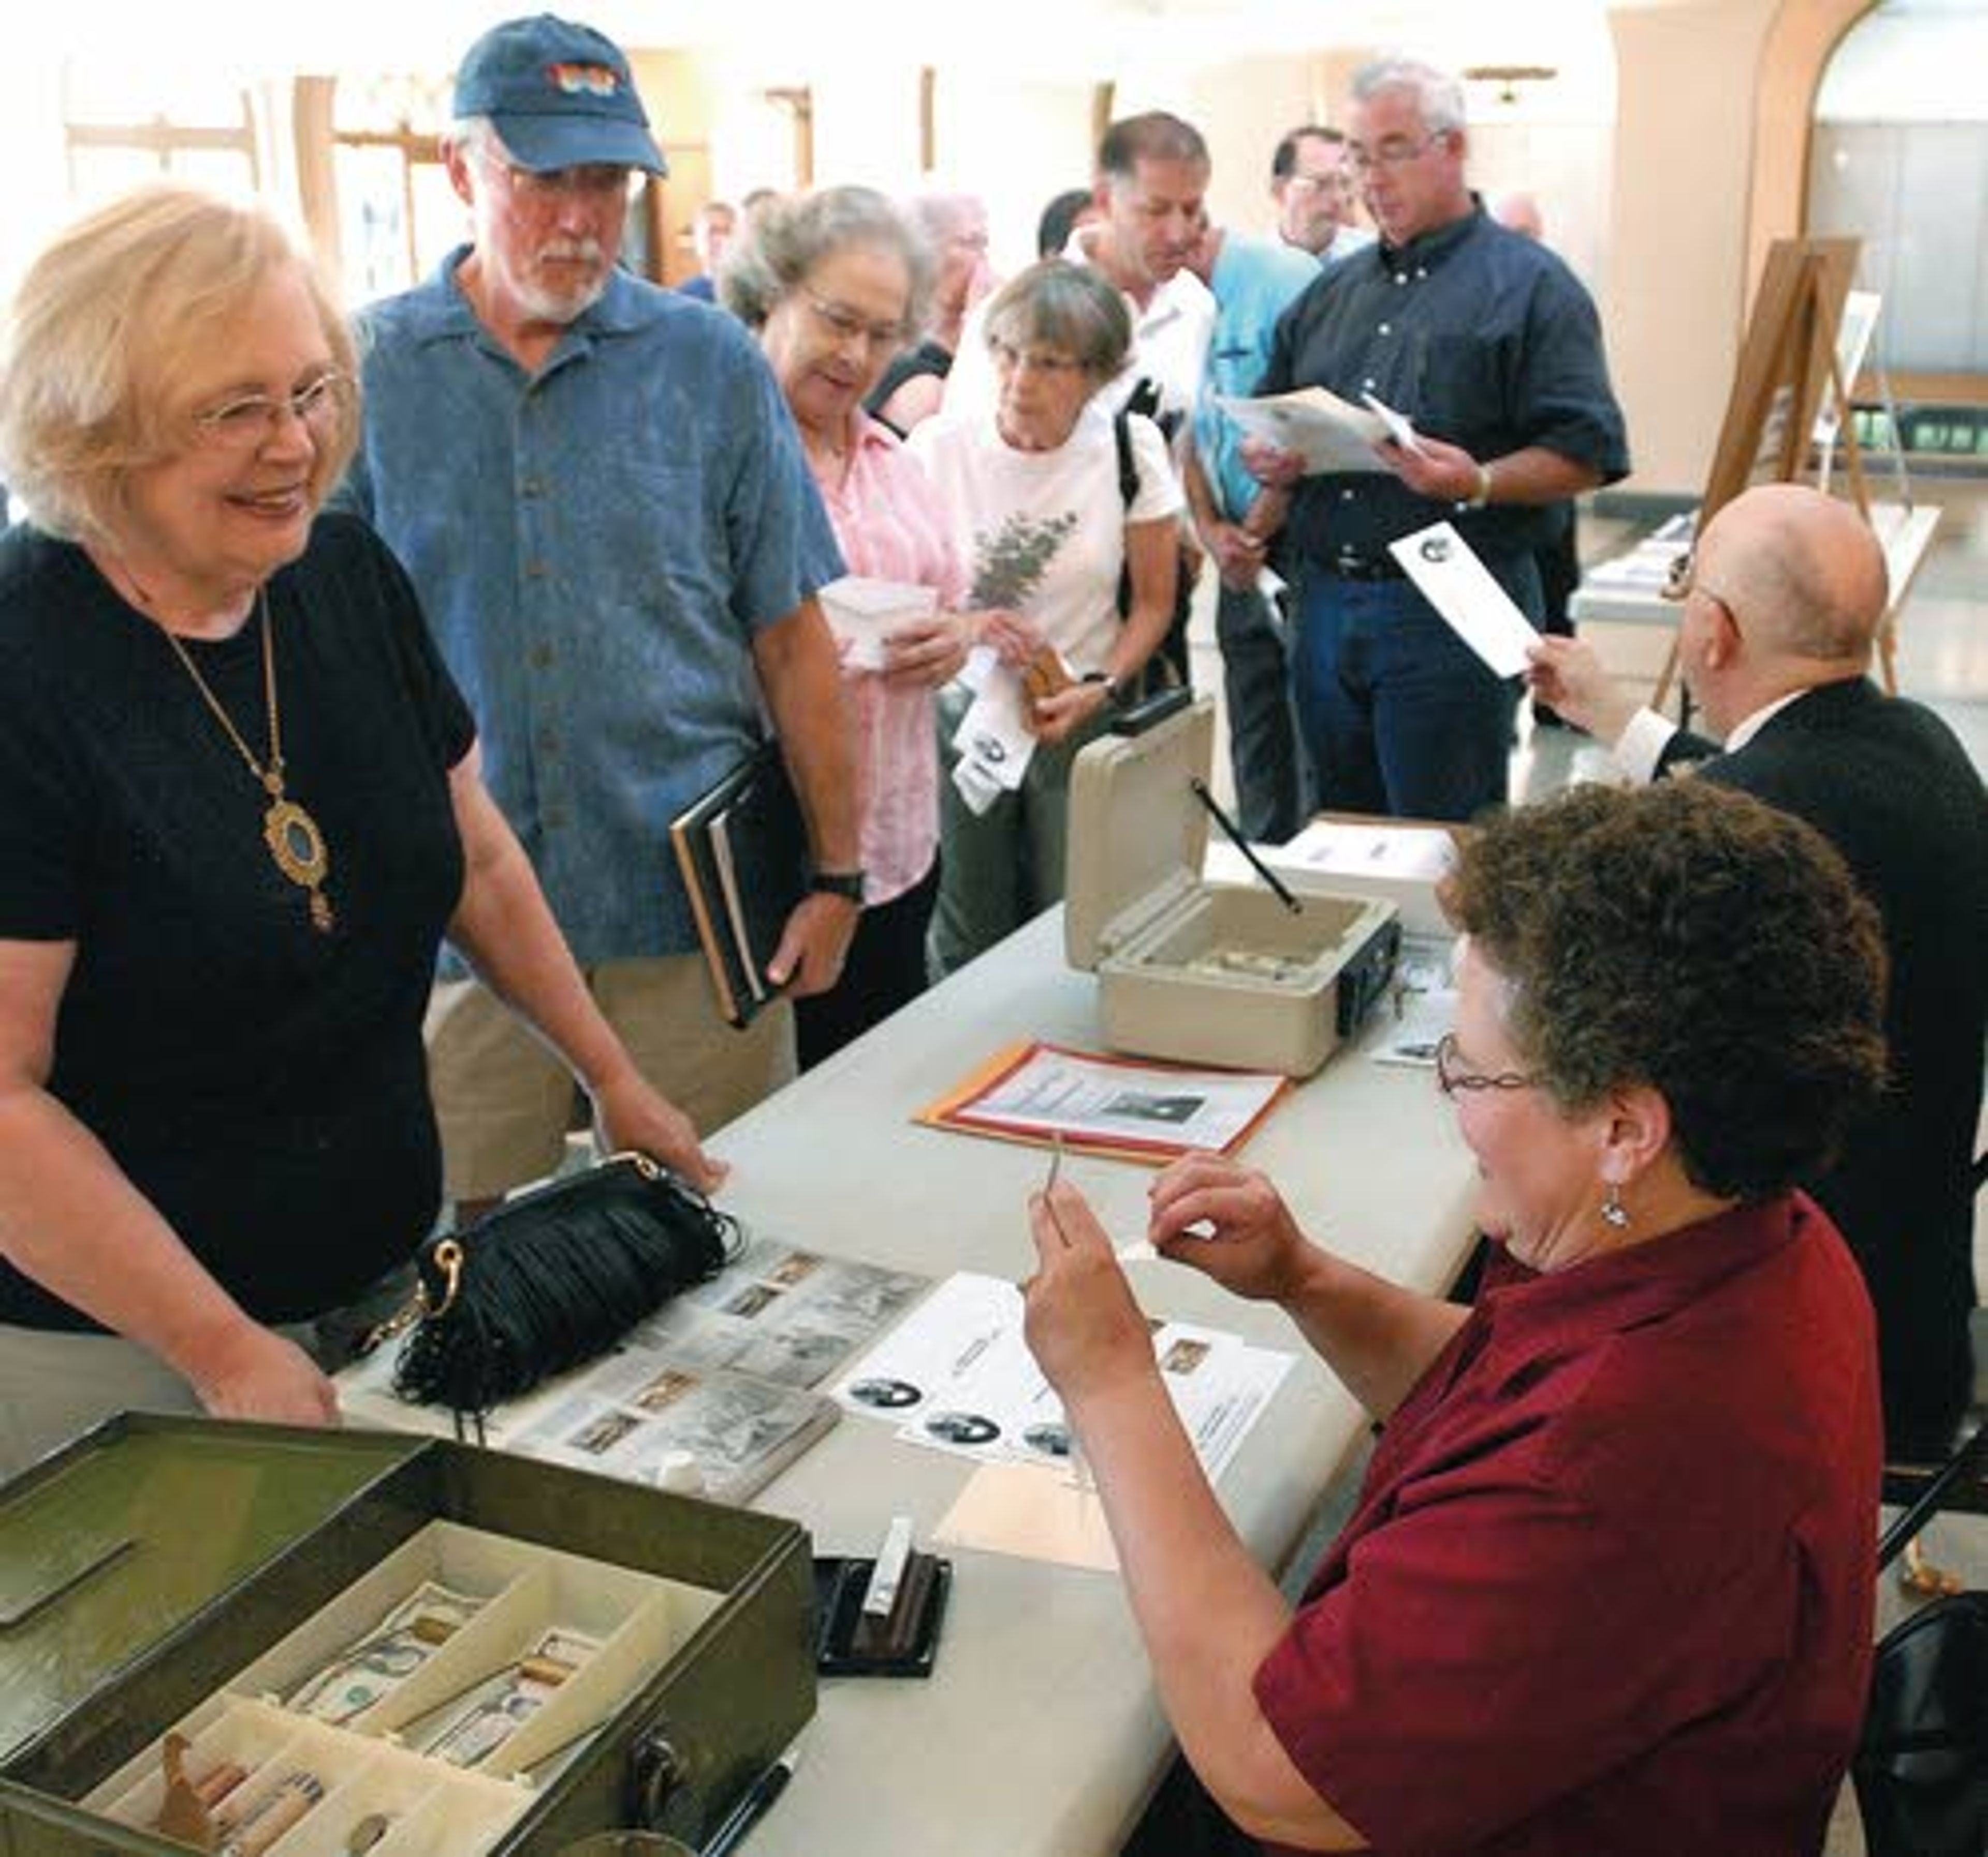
(742, 847)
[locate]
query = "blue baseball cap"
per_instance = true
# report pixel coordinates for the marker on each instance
(560, 96)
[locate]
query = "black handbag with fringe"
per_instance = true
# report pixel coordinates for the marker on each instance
(551, 1280)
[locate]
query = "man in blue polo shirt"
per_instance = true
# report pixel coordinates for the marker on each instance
(1489, 345)
(598, 491)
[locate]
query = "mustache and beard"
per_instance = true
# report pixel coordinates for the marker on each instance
(567, 278)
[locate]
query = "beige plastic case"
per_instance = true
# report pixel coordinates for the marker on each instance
(1198, 972)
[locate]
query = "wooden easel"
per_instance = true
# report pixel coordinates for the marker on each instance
(1788, 359)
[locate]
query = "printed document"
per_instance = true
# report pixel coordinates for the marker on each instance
(956, 1374)
(995, 742)
(1329, 433)
(1450, 576)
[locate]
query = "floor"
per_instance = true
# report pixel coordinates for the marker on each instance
(1942, 661)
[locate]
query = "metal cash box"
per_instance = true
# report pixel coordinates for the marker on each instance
(185, 1574)
(1204, 972)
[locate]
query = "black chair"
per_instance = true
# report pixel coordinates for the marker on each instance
(1906, 1481)
(1921, 1769)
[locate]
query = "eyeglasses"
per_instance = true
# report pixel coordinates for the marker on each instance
(1397, 151)
(252, 421)
(1338, 181)
(846, 325)
(1035, 361)
(601, 180)
(1681, 581)
(1449, 1080)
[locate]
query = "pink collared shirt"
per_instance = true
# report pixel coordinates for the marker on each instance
(888, 522)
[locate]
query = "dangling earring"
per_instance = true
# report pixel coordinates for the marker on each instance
(1614, 1214)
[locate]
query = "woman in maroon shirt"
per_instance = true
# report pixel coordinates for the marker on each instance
(1609, 1586)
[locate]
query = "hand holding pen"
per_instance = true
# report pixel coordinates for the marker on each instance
(1082, 1322)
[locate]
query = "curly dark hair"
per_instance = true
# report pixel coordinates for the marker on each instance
(1688, 937)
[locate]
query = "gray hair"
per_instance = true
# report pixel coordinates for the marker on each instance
(477, 137)
(940, 215)
(1438, 96)
(790, 236)
(1055, 304)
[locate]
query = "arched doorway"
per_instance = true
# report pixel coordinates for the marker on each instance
(1899, 157)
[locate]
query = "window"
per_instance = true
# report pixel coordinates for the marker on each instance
(1900, 159)
(397, 215)
(126, 125)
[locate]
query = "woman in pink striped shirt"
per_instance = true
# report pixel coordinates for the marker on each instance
(836, 281)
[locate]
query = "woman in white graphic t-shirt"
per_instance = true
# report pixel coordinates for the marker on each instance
(1033, 492)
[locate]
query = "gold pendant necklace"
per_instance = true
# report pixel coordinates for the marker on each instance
(295, 844)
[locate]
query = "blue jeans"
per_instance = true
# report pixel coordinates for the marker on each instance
(1262, 728)
(1400, 717)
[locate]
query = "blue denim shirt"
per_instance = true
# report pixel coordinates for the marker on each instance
(1253, 283)
(596, 546)
(1481, 338)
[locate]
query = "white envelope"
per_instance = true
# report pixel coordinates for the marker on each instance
(864, 612)
(993, 739)
(1451, 577)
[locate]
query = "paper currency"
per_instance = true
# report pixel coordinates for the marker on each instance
(363, 1673)
(495, 1710)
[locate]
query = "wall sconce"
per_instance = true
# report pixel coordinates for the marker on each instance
(1509, 77)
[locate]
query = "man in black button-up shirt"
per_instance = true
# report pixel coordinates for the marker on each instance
(1491, 346)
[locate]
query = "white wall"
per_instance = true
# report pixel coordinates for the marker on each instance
(1676, 288)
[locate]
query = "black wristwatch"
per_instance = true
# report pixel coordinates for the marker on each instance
(847, 885)
(1115, 692)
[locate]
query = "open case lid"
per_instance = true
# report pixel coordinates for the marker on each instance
(1138, 836)
(125, 1538)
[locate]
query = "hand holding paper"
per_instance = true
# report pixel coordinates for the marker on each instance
(928, 652)
(1433, 467)
(1568, 674)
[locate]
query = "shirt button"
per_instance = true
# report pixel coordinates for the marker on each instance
(1368, 383)
(553, 818)
(537, 570)
(1421, 272)
(1387, 328)
(1346, 497)
(532, 486)
(548, 741)
(1400, 277)
(540, 658)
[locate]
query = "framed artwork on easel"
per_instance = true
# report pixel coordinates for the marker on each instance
(1788, 360)
(1786, 363)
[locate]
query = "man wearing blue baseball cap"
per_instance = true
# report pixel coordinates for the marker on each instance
(598, 491)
